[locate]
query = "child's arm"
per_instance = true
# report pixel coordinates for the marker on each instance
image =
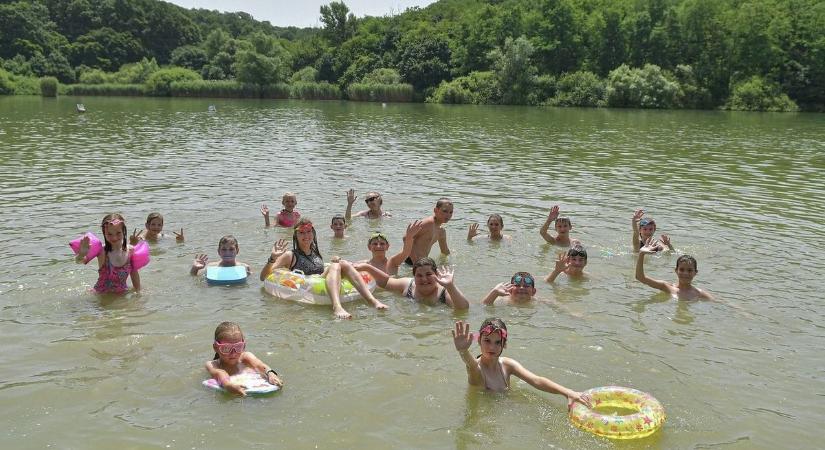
(472, 231)
(640, 268)
(351, 197)
(395, 260)
(561, 266)
(278, 257)
(553, 215)
(500, 290)
(265, 371)
(637, 216)
(442, 241)
(463, 339)
(265, 213)
(446, 278)
(223, 379)
(199, 264)
(545, 384)
(135, 280)
(666, 240)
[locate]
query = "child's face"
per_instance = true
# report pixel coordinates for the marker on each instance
(491, 344)
(374, 202)
(425, 278)
(577, 262)
(685, 271)
(378, 245)
(228, 251)
(494, 226)
(524, 286)
(647, 230)
(305, 236)
(114, 235)
(338, 225)
(289, 203)
(444, 213)
(233, 350)
(563, 226)
(155, 225)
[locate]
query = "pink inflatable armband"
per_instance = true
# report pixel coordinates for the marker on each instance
(140, 255)
(95, 246)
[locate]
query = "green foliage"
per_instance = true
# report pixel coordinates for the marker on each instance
(693, 94)
(135, 73)
(94, 76)
(130, 90)
(6, 83)
(382, 75)
(214, 88)
(158, 83)
(314, 91)
(339, 23)
(647, 87)
(252, 67)
(477, 88)
(544, 88)
(373, 92)
(424, 61)
(275, 90)
(580, 88)
(105, 49)
(48, 86)
(26, 86)
(190, 57)
(308, 74)
(514, 70)
(757, 94)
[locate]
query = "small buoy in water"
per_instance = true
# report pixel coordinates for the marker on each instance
(81, 108)
(212, 108)
(383, 105)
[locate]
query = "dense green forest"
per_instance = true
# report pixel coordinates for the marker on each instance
(736, 54)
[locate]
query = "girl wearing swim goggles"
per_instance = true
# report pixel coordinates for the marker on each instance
(520, 289)
(232, 359)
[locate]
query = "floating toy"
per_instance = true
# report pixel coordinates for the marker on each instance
(226, 275)
(311, 289)
(649, 416)
(253, 383)
(140, 255)
(95, 246)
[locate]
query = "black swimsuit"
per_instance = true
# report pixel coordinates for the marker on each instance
(308, 264)
(442, 296)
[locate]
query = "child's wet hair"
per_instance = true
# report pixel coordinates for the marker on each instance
(227, 239)
(225, 330)
(422, 262)
(443, 201)
(313, 248)
(495, 324)
(689, 259)
(153, 216)
(289, 195)
(338, 217)
(564, 220)
(117, 219)
(577, 250)
(496, 216)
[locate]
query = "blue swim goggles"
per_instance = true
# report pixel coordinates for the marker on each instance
(523, 278)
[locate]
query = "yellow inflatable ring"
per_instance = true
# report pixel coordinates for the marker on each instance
(650, 415)
(311, 289)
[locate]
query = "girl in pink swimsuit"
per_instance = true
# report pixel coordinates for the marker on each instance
(115, 262)
(287, 217)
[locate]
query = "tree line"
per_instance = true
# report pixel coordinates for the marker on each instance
(737, 54)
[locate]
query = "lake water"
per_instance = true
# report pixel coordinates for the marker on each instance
(742, 192)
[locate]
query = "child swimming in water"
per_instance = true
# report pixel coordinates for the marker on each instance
(374, 203)
(288, 217)
(570, 263)
(228, 250)
(231, 359)
(429, 285)
(378, 244)
(153, 230)
(520, 290)
(338, 225)
(643, 229)
(114, 263)
(563, 227)
(492, 371)
(686, 270)
(495, 224)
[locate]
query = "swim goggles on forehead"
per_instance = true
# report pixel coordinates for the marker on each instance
(491, 328)
(226, 349)
(523, 278)
(377, 235)
(304, 227)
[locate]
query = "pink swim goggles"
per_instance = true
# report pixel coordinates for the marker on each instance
(228, 348)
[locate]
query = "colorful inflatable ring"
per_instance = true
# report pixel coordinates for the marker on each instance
(650, 415)
(310, 289)
(95, 246)
(254, 384)
(140, 255)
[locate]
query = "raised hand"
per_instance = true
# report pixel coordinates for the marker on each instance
(462, 338)
(562, 263)
(445, 276)
(200, 261)
(413, 228)
(651, 246)
(665, 240)
(264, 210)
(84, 246)
(278, 248)
(472, 231)
(135, 237)
(637, 216)
(179, 236)
(554, 213)
(503, 289)
(351, 197)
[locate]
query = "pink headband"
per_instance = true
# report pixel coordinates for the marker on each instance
(305, 227)
(115, 222)
(489, 329)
